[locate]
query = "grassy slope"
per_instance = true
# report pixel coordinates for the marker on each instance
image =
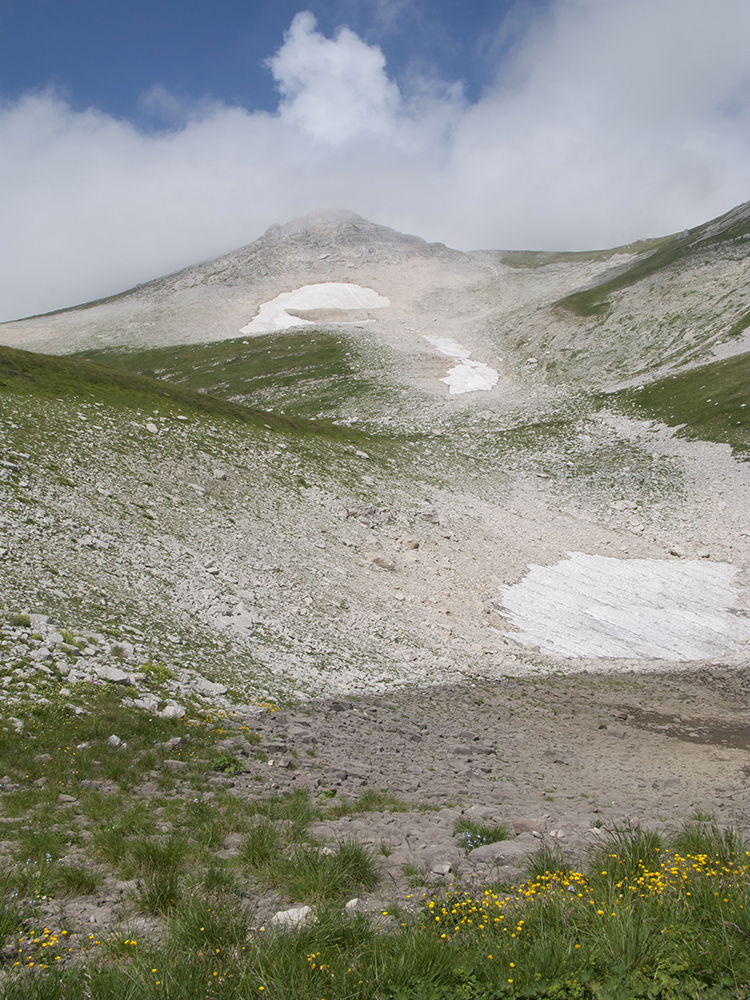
(541, 258)
(595, 301)
(89, 463)
(711, 402)
(42, 375)
(308, 373)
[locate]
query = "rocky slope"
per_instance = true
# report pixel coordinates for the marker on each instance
(282, 563)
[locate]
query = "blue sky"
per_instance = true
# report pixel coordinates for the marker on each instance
(139, 138)
(108, 53)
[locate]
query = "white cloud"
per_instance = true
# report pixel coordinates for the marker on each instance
(333, 89)
(610, 120)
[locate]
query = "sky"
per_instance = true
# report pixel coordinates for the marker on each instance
(137, 138)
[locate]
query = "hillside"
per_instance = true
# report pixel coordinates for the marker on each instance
(384, 552)
(349, 568)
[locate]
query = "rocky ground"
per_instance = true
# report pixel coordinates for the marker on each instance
(336, 600)
(559, 760)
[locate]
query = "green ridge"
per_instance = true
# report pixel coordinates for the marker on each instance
(42, 375)
(595, 300)
(307, 373)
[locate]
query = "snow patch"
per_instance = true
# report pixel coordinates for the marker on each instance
(338, 299)
(595, 606)
(468, 375)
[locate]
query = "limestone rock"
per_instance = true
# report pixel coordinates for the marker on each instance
(297, 916)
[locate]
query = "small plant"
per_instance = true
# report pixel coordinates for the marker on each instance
(78, 880)
(158, 893)
(110, 844)
(228, 765)
(416, 877)
(310, 874)
(547, 859)
(10, 918)
(216, 879)
(156, 855)
(209, 926)
(706, 838)
(157, 672)
(20, 621)
(630, 847)
(40, 845)
(475, 833)
(371, 801)
(260, 846)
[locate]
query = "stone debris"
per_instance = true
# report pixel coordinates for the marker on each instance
(297, 916)
(42, 653)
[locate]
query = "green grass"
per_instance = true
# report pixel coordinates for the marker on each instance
(158, 893)
(154, 855)
(273, 855)
(415, 875)
(671, 930)
(631, 846)
(700, 836)
(313, 875)
(39, 376)
(210, 925)
(541, 258)
(547, 858)
(711, 402)
(371, 800)
(670, 251)
(306, 373)
(261, 846)
(475, 833)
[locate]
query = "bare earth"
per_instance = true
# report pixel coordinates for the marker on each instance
(555, 758)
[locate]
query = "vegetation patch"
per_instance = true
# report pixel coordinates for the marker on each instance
(671, 927)
(43, 375)
(711, 402)
(310, 373)
(670, 251)
(475, 833)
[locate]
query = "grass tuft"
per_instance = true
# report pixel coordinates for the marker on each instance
(158, 893)
(475, 833)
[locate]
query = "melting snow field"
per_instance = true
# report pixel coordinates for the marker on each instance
(596, 606)
(468, 375)
(287, 310)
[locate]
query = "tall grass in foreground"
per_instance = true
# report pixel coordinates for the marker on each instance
(643, 920)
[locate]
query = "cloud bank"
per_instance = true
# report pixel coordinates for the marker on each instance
(610, 120)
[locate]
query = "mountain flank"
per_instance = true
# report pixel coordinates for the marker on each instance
(346, 573)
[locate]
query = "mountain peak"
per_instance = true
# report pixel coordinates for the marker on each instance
(341, 225)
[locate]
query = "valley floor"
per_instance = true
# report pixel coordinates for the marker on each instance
(559, 762)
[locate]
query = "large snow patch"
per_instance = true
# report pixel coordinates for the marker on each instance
(467, 375)
(327, 302)
(596, 606)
